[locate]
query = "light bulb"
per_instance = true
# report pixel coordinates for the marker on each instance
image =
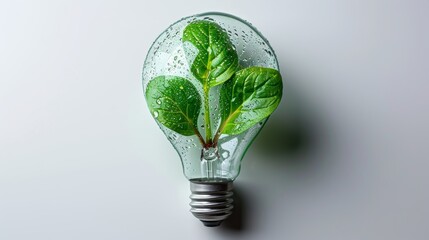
(211, 81)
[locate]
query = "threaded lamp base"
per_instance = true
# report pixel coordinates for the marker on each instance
(211, 200)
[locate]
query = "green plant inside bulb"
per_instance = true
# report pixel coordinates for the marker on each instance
(216, 98)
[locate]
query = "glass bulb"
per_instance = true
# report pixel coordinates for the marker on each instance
(211, 160)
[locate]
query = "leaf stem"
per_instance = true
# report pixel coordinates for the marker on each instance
(222, 126)
(207, 121)
(218, 133)
(199, 137)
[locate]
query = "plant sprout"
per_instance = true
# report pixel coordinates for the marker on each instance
(247, 95)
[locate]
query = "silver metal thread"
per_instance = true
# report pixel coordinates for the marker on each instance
(211, 200)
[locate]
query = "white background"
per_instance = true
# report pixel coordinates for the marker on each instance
(344, 157)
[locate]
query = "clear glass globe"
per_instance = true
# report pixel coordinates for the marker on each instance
(167, 57)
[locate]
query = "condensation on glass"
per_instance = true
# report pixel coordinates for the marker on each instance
(167, 57)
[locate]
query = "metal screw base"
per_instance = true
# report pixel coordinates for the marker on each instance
(211, 200)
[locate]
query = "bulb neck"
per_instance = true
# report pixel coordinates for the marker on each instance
(211, 200)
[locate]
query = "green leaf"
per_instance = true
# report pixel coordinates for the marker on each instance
(252, 95)
(217, 59)
(175, 103)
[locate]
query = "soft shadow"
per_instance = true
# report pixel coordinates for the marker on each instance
(237, 220)
(290, 131)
